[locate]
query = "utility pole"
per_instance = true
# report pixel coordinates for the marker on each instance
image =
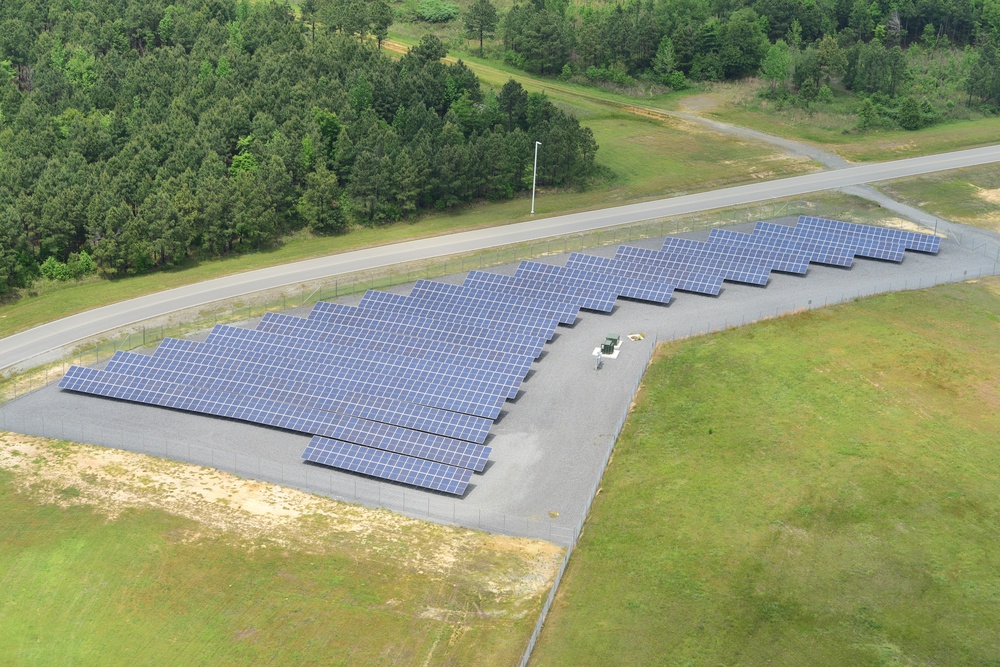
(534, 177)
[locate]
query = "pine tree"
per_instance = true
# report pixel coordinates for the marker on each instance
(481, 21)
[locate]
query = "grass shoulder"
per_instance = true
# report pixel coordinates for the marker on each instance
(970, 196)
(778, 498)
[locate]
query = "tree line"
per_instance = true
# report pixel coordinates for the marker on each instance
(861, 44)
(135, 134)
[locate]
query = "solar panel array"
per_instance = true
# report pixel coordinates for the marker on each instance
(406, 388)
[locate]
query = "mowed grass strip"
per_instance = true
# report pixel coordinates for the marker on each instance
(160, 563)
(820, 489)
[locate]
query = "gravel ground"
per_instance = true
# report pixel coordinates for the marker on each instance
(551, 442)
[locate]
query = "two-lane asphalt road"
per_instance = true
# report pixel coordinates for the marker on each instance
(17, 349)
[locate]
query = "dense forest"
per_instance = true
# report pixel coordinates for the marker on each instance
(892, 53)
(135, 134)
(725, 39)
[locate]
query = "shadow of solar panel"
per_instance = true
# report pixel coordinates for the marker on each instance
(584, 297)
(564, 312)
(270, 413)
(385, 465)
(301, 329)
(459, 310)
(688, 278)
(786, 262)
(657, 291)
(911, 240)
(816, 251)
(450, 332)
(458, 394)
(734, 269)
(191, 370)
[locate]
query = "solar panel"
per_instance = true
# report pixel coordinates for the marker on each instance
(563, 311)
(339, 358)
(695, 279)
(385, 465)
(405, 388)
(301, 329)
(513, 365)
(890, 251)
(816, 251)
(465, 395)
(459, 310)
(584, 297)
(775, 260)
(272, 413)
(734, 269)
(192, 370)
(657, 291)
(911, 240)
(324, 314)
(490, 376)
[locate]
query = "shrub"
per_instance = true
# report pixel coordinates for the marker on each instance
(53, 269)
(436, 11)
(514, 59)
(825, 95)
(616, 74)
(909, 117)
(80, 265)
(676, 80)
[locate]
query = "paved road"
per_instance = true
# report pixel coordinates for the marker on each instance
(17, 349)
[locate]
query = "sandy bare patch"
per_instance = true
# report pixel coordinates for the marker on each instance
(264, 515)
(700, 103)
(990, 195)
(909, 226)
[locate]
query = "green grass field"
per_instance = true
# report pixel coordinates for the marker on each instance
(137, 561)
(970, 196)
(820, 489)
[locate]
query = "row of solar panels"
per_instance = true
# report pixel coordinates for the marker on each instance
(406, 388)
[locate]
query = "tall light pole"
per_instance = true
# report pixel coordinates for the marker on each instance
(534, 176)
